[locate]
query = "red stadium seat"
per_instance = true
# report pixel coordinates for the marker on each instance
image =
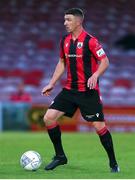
(17, 73)
(3, 73)
(123, 83)
(32, 81)
(35, 73)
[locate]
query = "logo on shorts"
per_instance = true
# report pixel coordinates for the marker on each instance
(52, 102)
(97, 114)
(92, 115)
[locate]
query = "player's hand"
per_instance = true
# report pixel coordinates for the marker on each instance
(47, 90)
(92, 81)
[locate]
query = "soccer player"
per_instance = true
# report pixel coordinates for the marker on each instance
(85, 60)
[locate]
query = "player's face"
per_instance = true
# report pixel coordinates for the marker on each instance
(71, 22)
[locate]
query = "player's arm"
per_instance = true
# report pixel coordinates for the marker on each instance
(103, 65)
(59, 70)
(100, 55)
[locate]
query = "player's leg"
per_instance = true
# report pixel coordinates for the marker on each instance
(50, 119)
(107, 142)
(54, 132)
(62, 104)
(91, 110)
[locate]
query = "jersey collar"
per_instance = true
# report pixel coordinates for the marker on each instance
(80, 35)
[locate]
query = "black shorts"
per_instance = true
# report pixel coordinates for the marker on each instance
(88, 102)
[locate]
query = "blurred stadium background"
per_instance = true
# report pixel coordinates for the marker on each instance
(30, 31)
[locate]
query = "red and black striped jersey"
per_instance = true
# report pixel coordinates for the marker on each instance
(81, 58)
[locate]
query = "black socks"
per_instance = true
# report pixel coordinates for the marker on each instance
(55, 136)
(106, 140)
(104, 135)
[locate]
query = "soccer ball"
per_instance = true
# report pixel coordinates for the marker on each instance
(31, 160)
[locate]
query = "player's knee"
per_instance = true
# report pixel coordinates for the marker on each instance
(99, 125)
(48, 119)
(45, 119)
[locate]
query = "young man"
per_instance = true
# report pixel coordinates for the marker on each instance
(85, 61)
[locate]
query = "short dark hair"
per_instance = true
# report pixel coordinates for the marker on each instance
(75, 12)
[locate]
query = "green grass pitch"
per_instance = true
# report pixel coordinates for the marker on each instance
(87, 158)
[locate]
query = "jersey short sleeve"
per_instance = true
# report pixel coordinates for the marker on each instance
(96, 49)
(62, 55)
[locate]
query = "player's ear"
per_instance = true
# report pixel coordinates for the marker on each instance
(79, 20)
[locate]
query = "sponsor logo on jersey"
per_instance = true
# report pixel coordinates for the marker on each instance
(73, 55)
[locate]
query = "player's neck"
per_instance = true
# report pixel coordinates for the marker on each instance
(76, 33)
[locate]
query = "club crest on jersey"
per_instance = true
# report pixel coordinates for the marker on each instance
(66, 44)
(79, 44)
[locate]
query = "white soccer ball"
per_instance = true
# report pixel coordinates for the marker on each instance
(31, 160)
